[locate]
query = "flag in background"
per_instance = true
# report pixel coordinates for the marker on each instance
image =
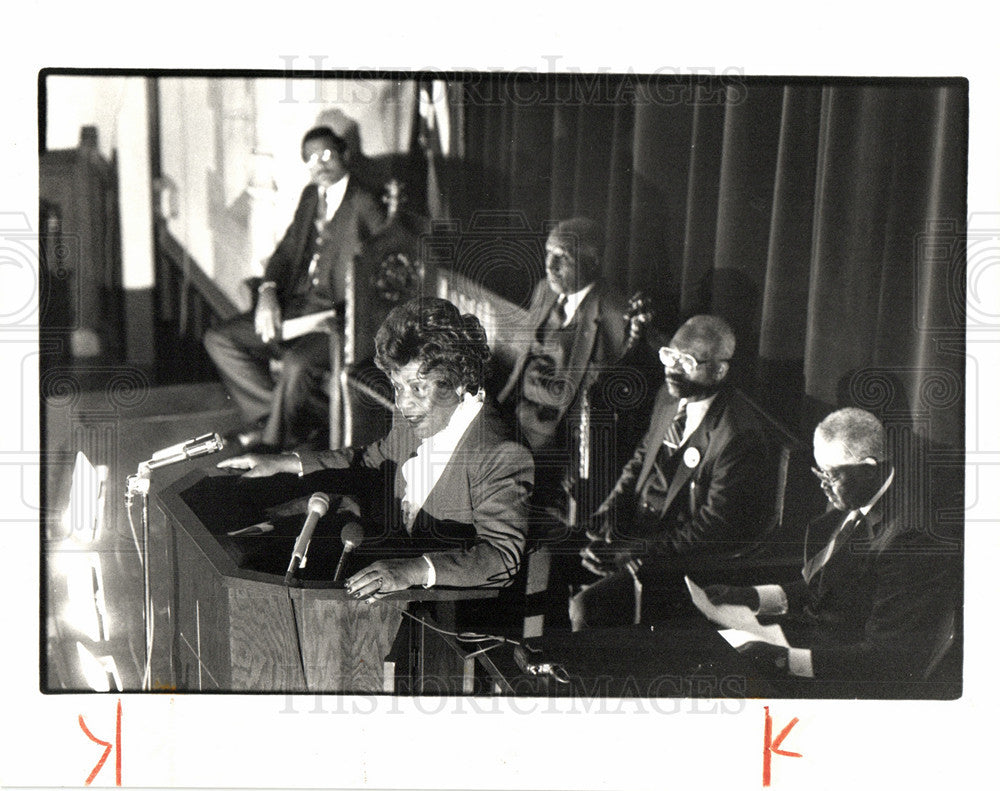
(436, 139)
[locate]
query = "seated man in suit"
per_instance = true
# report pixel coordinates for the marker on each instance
(577, 329)
(701, 484)
(305, 275)
(876, 585)
(455, 494)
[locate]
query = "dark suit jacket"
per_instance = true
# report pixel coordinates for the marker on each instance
(478, 506)
(719, 504)
(599, 339)
(357, 218)
(875, 608)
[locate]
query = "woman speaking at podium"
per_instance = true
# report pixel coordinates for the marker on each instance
(459, 483)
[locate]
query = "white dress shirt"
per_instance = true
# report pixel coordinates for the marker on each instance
(696, 411)
(572, 303)
(335, 196)
(423, 470)
(773, 600)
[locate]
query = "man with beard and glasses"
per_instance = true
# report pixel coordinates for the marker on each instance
(700, 485)
(878, 587)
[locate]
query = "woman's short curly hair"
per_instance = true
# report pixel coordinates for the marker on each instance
(451, 347)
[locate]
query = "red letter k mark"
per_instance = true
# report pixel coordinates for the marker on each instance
(773, 747)
(108, 746)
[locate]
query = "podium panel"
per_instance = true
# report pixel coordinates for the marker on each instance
(236, 628)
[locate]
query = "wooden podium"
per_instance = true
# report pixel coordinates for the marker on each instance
(235, 626)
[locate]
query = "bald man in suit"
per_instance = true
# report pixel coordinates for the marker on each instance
(877, 585)
(700, 485)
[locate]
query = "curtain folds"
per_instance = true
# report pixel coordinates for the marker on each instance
(824, 219)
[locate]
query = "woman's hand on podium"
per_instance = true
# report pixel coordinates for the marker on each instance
(386, 576)
(258, 465)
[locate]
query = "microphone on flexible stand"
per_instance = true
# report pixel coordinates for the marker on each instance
(318, 505)
(350, 536)
(182, 451)
(138, 483)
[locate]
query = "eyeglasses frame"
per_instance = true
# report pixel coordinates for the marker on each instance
(682, 357)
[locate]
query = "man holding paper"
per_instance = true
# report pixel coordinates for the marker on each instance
(877, 587)
(304, 284)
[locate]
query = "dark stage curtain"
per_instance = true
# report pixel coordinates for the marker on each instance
(824, 219)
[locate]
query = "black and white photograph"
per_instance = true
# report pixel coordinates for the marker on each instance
(487, 412)
(623, 385)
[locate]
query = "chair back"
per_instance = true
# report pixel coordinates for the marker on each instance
(777, 547)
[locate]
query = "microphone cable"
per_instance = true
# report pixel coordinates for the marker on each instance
(554, 670)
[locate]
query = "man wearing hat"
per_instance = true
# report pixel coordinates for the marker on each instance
(305, 275)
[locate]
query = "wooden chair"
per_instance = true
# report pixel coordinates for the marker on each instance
(360, 396)
(776, 552)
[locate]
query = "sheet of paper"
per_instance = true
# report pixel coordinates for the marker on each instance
(738, 620)
(737, 637)
(765, 634)
(293, 328)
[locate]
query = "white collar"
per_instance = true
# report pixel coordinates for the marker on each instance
(334, 196)
(572, 303)
(422, 470)
(863, 510)
(448, 438)
(696, 411)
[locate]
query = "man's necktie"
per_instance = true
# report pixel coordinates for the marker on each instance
(675, 433)
(557, 316)
(816, 563)
(559, 312)
(321, 207)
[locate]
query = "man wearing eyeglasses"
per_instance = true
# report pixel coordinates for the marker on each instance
(305, 275)
(701, 484)
(876, 586)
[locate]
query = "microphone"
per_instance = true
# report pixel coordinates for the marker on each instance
(182, 451)
(318, 505)
(351, 536)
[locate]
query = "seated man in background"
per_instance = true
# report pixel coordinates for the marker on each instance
(578, 329)
(876, 585)
(456, 485)
(700, 485)
(305, 275)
